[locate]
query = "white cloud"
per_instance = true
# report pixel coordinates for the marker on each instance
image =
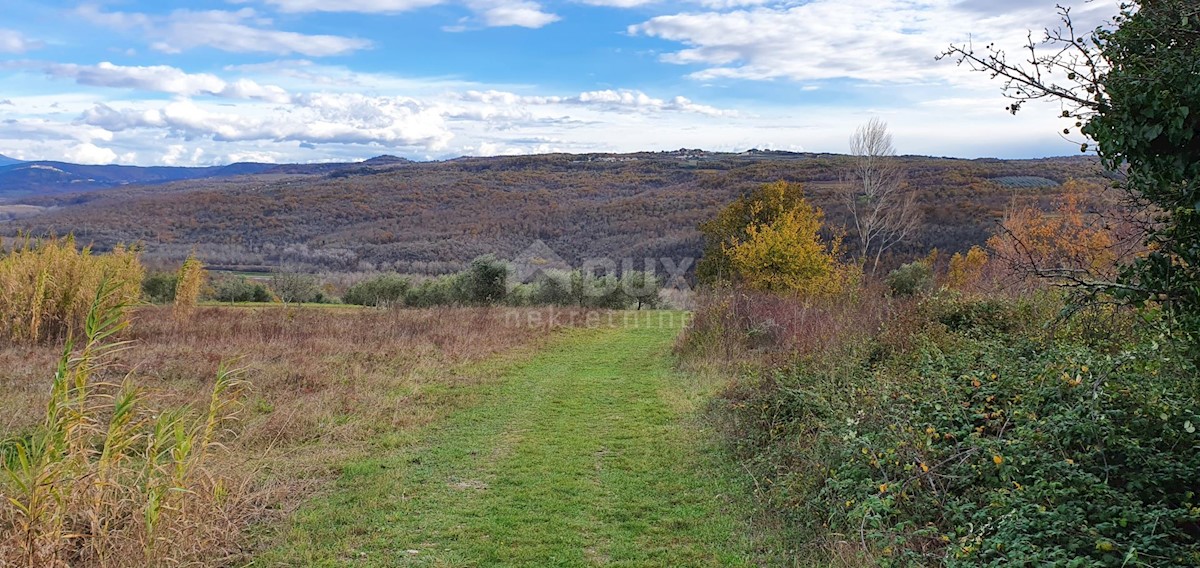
(502, 13)
(361, 6)
(618, 3)
(165, 79)
(241, 31)
(12, 41)
(88, 153)
(868, 40)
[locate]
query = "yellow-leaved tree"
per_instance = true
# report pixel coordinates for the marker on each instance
(781, 248)
(966, 270)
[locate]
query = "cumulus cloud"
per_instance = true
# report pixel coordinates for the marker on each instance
(166, 79)
(241, 31)
(88, 153)
(867, 40)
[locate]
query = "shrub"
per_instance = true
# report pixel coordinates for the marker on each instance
(911, 279)
(46, 287)
(553, 288)
(962, 434)
(441, 291)
(382, 290)
(240, 289)
(159, 287)
(485, 281)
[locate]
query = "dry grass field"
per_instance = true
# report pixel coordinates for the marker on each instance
(320, 386)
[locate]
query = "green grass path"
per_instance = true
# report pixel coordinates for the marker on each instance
(585, 454)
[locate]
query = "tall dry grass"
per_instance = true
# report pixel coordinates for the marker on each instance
(104, 479)
(325, 385)
(46, 287)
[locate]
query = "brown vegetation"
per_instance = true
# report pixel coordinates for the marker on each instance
(321, 385)
(435, 217)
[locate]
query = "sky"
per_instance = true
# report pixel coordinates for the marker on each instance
(204, 82)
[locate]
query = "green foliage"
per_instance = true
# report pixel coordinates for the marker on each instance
(485, 281)
(911, 279)
(239, 289)
(1150, 124)
(642, 288)
(159, 287)
(963, 435)
(554, 288)
(382, 290)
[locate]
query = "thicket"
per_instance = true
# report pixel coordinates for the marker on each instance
(47, 287)
(106, 481)
(961, 430)
(486, 282)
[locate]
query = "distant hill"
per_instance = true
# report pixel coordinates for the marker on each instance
(20, 179)
(431, 217)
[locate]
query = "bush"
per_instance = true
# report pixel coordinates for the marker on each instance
(240, 289)
(485, 281)
(963, 434)
(911, 279)
(441, 291)
(383, 290)
(554, 288)
(159, 287)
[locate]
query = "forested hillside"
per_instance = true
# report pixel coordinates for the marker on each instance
(433, 217)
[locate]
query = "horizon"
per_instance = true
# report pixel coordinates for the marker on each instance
(308, 81)
(500, 156)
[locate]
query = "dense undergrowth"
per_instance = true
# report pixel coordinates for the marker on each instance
(961, 430)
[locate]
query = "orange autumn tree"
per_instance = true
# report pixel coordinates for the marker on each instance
(966, 270)
(785, 252)
(1068, 244)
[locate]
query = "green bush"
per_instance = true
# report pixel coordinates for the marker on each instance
(383, 290)
(554, 288)
(962, 437)
(911, 279)
(441, 291)
(484, 282)
(239, 289)
(159, 287)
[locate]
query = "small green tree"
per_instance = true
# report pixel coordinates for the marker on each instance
(486, 281)
(641, 287)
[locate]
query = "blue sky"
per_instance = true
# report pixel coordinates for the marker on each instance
(215, 81)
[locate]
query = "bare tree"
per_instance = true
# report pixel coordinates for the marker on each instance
(882, 208)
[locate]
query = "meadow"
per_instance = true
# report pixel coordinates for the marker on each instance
(319, 386)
